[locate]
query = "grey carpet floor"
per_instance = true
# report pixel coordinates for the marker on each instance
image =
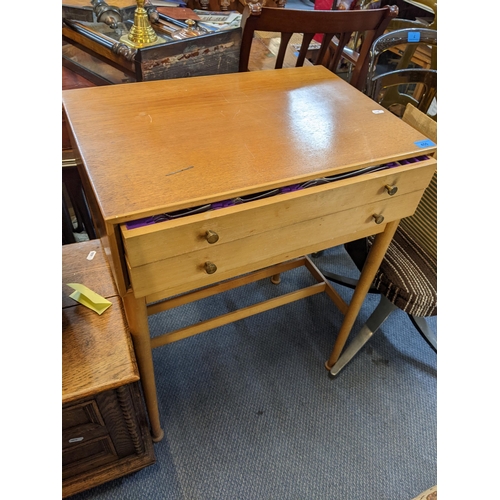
(250, 413)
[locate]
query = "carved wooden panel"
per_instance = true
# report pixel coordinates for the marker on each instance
(104, 437)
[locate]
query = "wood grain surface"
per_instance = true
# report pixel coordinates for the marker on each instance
(153, 147)
(94, 274)
(97, 352)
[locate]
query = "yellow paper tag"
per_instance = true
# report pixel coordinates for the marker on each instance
(88, 298)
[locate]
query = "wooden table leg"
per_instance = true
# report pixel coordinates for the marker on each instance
(136, 312)
(373, 261)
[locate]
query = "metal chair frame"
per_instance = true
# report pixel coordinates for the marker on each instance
(412, 37)
(405, 77)
(358, 250)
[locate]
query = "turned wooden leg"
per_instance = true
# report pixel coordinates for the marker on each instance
(373, 261)
(136, 312)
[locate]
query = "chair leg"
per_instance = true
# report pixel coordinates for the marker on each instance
(373, 323)
(423, 328)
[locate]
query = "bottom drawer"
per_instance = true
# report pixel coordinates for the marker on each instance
(87, 456)
(104, 437)
(99, 430)
(85, 439)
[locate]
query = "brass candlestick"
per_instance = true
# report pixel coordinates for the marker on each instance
(141, 34)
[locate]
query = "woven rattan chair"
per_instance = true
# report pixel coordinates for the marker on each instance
(407, 277)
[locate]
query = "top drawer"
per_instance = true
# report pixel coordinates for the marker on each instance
(294, 216)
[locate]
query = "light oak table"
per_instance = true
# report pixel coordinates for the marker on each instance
(149, 148)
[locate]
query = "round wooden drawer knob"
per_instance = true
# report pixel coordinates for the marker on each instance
(378, 218)
(392, 190)
(211, 236)
(210, 267)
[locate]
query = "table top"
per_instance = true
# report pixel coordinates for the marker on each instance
(158, 146)
(97, 352)
(94, 273)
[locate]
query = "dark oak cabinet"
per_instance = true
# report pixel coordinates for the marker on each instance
(105, 431)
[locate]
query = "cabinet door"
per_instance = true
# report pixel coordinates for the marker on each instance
(104, 437)
(86, 443)
(100, 430)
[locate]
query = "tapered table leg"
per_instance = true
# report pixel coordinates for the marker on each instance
(373, 323)
(136, 312)
(373, 261)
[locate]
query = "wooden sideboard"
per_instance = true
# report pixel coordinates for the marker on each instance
(105, 431)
